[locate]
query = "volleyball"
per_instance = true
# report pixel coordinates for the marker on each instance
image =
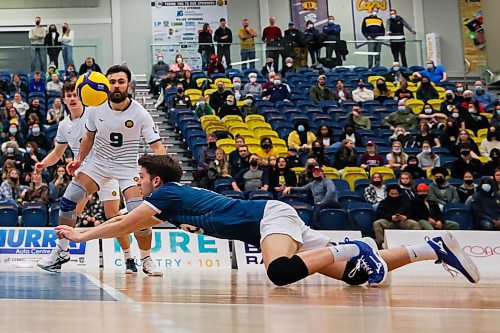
(92, 88)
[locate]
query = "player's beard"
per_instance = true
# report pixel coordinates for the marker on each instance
(118, 99)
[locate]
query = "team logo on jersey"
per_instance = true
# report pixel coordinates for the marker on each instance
(114, 193)
(192, 229)
(129, 124)
(136, 179)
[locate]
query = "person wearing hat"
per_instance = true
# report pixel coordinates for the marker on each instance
(413, 168)
(449, 102)
(322, 190)
(252, 87)
(219, 97)
(486, 205)
(215, 65)
(428, 214)
(466, 163)
(313, 40)
(394, 212)
(440, 191)
(249, 106)
(202, 108)
(229, 108)
(320, 92)
(292, 160)
(371, 158)
(295, 46)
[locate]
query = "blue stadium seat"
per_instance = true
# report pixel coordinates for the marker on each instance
(294, 199)
(360, 184)
(334, 219)
(8, 215)
(221, 185)
(345, 197)
(459, 213)
(305, 213)
(341, 185)
(234, 194)
(260, 195)
(34, 214)
(363, 215)
(54, 215)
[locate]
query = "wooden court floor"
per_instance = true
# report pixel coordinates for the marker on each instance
(242, 301)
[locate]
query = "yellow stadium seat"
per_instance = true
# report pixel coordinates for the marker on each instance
(282, 151)
(477, 140)
(241, 104)
(199, 81)
(413, 89)
(253, 148)
(385, 172)
(415, 105)
(254, 117)
(297, 171)
(212, 128)
(245, 133)
(483, 159)
(487, 115)
(208, 91)
(373, 79)
(262, 132)
(193, 91)
(252, 141)
(482, 133)
(351, 174)
(280, 142)
(330, 173)
(435, 103)
(254, 125)
(212, 118)
(232, 117)
(439, 89)
(471, 132)
(224, 80)
(227, 145)
(234, 125)
(207, 124)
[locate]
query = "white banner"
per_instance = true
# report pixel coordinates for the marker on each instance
(248, 256)
(362, 9)
(23, 247)
(173, 249)
(177, 23)
(433, 47)
(482, 246)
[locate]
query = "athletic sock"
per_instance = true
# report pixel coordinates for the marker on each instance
(344, 252)
(421, 252)
(145, 253)
(127, 254)
(63, 244)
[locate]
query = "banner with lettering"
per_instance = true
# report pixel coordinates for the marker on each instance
(473, 33)
(315, 11)
(363, 8)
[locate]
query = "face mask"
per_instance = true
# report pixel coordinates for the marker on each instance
(10, 150)
(401, 108)
(440, 181)
(266, 146)
(249, 102)
(28, 150)
(212, 145)
(449, 97)
(160, 59)
(230, 102)
(12, 131)
(377, 183)
(429, 66)
(426, 151)
(469, 181)
(202, 103)
(179, 60)
(37, 22)
(479, 88)
(465, 153)
(425, 83)
(301, 128)
(361, 85)
(253, 79)
(14, 179)
(237, 85)
(180, 90)
(396, 69)
(428, 111)
(422, 196)
(277, 82)
(331, 21)
(471, 110)
(396, 151)
(393, 17)
(381, 85)
(498, 112)
(349, 131)
(491, 135)
(486, 188)
(309, 26)
(254, 163)
(289, 64)
(375, 13)
(460, 90)
(221, 89)
(36, 131)
(317, 149)
(455, 115)
(316, 178)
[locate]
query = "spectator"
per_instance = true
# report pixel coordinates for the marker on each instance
(278, 92)
(396, 76)
(266, 149)
(424, 135)
(466, 163)
(59, 184)
(395, 27)
(449, 103)
(473, 120)
(351, 134)
(403, 93)
(481, 95)
(252, 87)
(371, 158)
(219, 97)
(20, 105)
(70, 75)
(207, 155)
(346, 156)
(14, 134)
(159, 70)
(66, 39)
(39, 138)
(38, 190)
(269, 67)
(440, 191)
(54, 85)
(37, 37)
(465, 141)
(394, 212)
(405, 182)
(237, 89)
(181, 100)
(301, 137)
(206, 46)
(11, 191)
(281, 177)
(376, 191)
(249, 106)
(203, 109)
(52, 70)
(32, 119)
(241, 159)
(450, 134)
(53, 45)
(224, 37)
(341, 94)
(427, 159)
(37, 84)
(218, 168)
(55, 113)
(436, 74)
(493, 164)
(292, 159)
(325, 135)
(355, 118)
(428, 214)
(215, 65)
(397, 159)
(179, 64)
(229, 108)
(413, 168)
(322, 190)
(318, 153)
(252, 178)
(305, 176)
(11, 152)
(361, 93)
(320, 92)
(313, 40)
(492, 141)
(426, 91)
(272, 36)
(331, 33)
(495, 120)
(34, 109)
(373, 27)
(7, 166)
(295, 46)
(33, 155)
(485, 205)
(271, 163)
(431, 117)
(165, 84)
(89, 65)
(403, 117)
(188, 82)
(269, 83)
(468, 188)
(381, 92)
(18, 86)
(288, 68)
(459, 90)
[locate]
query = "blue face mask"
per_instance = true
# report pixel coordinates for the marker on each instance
(396, 69)
(12, 131)
(486, 187)
(479, 88)
(401, 108)
(36, 131)
(301, 128)
(10, 150)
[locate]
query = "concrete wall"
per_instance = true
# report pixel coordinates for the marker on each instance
(491, 8)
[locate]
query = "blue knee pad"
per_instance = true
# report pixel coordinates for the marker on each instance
(75, 193)
(284, 270)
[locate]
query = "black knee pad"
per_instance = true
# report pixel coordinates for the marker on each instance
(283, 270)
(353, 275)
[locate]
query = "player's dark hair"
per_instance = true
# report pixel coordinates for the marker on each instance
(119, 68)
(68, 87)
(163, 166)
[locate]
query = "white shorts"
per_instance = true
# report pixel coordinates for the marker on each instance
(102, 174)
(281, 218)
(110, 191)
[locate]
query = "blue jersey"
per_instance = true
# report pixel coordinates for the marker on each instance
(216, 215)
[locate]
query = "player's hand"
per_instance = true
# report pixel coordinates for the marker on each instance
(69, 233)
(39, 167)
(286, 191)
(73, 166)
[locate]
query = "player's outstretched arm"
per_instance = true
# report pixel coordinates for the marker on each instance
(52, 157)
(158, 148)
(140, 218)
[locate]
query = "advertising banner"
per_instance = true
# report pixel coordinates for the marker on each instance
(315, 11)
(248, 256)
(176, 25)
(473, 33)
(23, 247)
(173, 249)
(482, 246)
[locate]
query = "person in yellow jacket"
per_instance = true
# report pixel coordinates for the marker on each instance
(266, 149)
(301, 138)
